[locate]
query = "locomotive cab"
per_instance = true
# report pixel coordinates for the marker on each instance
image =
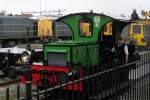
(83, 49)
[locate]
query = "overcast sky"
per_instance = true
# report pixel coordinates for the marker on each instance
(115, 7)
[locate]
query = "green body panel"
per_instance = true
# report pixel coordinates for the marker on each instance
(62, 49)
(86, 55)
(79, 54)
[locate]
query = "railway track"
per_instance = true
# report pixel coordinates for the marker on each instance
(5, 81)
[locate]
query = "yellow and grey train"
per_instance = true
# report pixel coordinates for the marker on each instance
(18, 29)
(139, 32)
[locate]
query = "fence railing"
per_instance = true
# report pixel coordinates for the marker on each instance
(125, 82)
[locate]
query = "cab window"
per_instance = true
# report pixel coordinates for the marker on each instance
(108, 29)
(137, 29)
(85, 28)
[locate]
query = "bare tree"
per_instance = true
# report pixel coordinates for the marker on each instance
(10, 14)
(2, 13)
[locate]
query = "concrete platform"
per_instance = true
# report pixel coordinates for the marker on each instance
(33, 46)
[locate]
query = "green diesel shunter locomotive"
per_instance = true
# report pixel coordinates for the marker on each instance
(86, 53)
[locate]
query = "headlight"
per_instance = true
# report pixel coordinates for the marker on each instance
(142, 40)
(25, 57)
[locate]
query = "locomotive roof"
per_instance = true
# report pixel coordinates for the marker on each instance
(83, 13)
(73, 21)
(96, 14)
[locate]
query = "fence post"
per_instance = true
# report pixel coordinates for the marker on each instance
(116, 77)
(7, 94)
(28, 85)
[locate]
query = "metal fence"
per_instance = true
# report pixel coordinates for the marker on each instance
(113, 82)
